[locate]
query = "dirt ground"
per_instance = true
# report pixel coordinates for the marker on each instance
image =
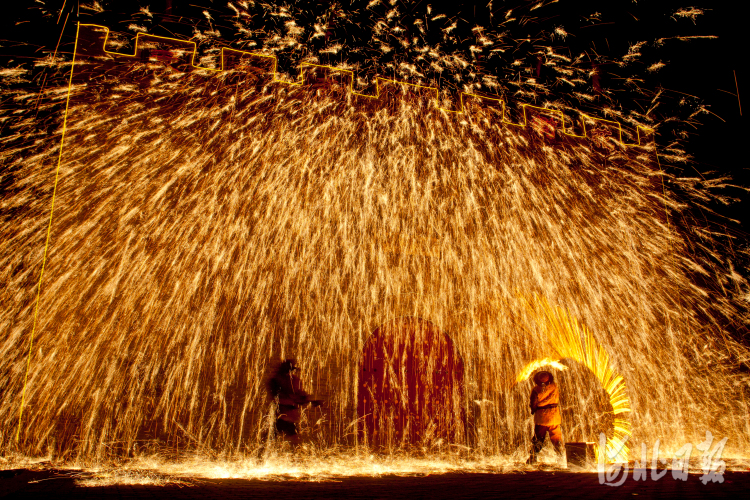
(537, 485)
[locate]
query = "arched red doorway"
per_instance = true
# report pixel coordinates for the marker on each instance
(411, 387)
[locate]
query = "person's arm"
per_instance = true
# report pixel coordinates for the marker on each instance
(534, 401)
(298, 394)
(555, 397)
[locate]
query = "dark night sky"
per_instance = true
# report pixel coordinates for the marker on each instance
(698, 70)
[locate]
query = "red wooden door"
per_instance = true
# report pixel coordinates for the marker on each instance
(410, 387)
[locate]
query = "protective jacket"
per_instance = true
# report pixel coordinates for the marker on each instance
(544, 404)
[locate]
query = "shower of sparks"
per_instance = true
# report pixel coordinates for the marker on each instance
(209, 223)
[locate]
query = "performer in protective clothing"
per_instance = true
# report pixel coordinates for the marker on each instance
(287, 387)
(544, 406)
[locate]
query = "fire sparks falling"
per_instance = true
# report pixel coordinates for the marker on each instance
(210, 225)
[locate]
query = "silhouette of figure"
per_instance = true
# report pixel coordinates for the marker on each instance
(544, 406)
(286, 387)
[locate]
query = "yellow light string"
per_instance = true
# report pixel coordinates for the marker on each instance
(46, 244)
(378, 82)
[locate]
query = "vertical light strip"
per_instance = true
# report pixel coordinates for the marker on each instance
(46, 244)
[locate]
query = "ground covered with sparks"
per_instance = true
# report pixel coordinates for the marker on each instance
(381, 478)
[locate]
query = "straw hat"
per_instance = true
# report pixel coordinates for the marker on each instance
(543, 377)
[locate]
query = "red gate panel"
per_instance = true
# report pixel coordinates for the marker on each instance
(410, 387)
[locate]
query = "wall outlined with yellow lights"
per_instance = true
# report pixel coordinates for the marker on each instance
(643, 134)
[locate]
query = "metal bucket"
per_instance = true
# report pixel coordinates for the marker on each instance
(579, 454)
